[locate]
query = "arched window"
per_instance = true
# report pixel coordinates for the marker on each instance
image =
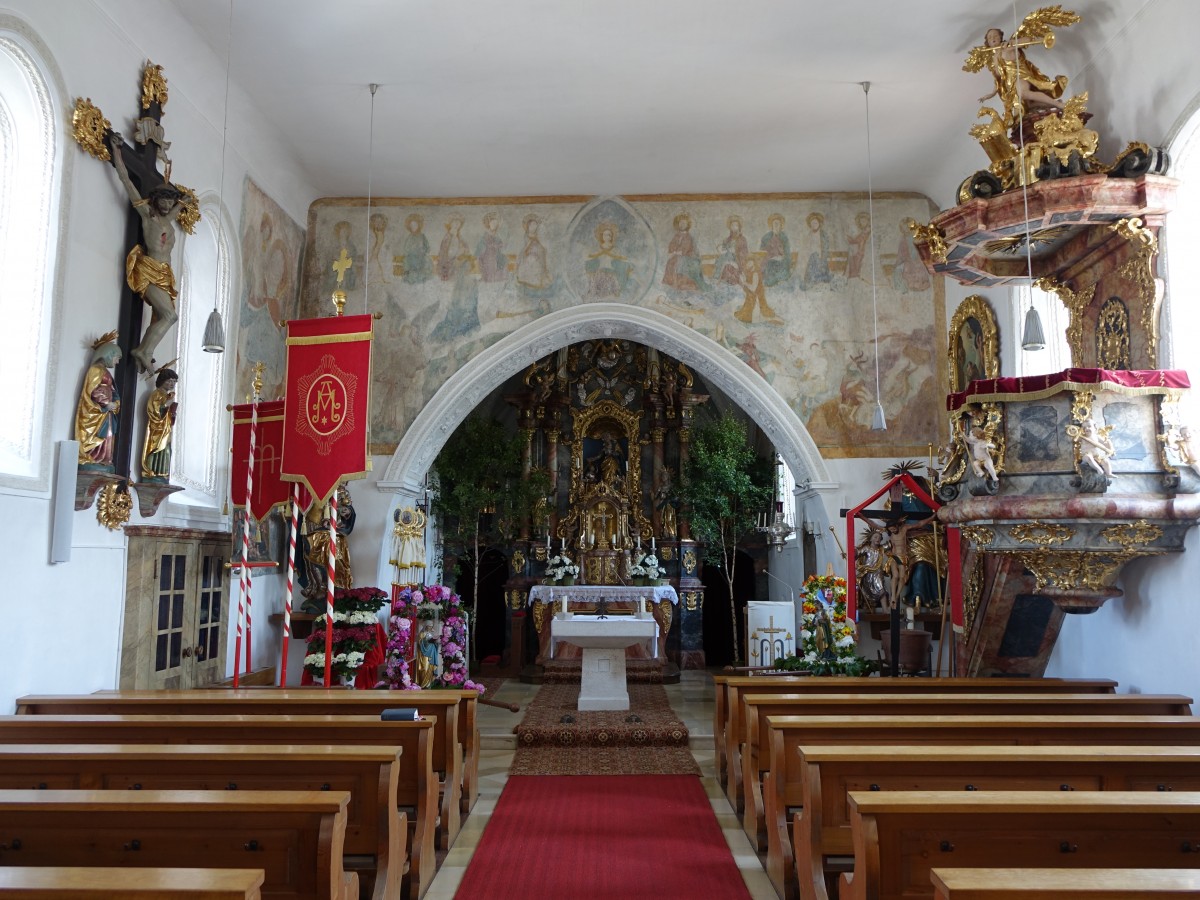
(1180, 262)
(200, 442)
(32, 211)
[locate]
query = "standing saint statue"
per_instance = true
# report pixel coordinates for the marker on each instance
(161, 408)
(99, 404)
(148, 265)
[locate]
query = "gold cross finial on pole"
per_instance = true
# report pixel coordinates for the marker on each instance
(259, 368)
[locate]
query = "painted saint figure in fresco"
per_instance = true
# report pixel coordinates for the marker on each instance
(733, 251)
(269, 268)
(414, 251)
(754, 287)
(493, 264)
(683, 270)
(910, 273)
(816, 266)
(343, 232)
(376, 272)
(533, 267)
(858, 246)
(777, 266)
(455, 263)
(607, 270)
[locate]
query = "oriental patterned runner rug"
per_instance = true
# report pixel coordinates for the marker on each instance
(603, 837)
(555, 738)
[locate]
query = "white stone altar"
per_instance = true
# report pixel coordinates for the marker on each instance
(603, 639)
(590, 593)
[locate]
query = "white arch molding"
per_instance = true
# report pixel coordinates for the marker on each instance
(463, 391)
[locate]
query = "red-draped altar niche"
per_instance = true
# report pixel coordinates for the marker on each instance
(1057, 481)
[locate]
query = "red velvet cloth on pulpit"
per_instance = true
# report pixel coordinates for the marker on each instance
(368, 673)
(1038, 387)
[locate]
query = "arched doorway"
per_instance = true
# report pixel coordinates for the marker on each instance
(718, 639)
(489, 633)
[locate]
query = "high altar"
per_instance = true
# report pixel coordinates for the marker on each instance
(609, 421)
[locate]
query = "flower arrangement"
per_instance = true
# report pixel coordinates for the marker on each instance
(650, 567)
(828, 638)
(431, 604)
(355, 616)
(560, 566)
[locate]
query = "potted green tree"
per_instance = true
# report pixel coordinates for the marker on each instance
(725, 486)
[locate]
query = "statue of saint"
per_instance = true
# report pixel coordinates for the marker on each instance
(426, 663)
(161, 408)
(99, 404)
(875, 563)
(315, 539)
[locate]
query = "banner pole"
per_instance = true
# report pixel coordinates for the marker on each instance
(291, 570)
(244, 595)
(331, 570)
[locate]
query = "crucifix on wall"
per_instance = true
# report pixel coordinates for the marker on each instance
(156, 207)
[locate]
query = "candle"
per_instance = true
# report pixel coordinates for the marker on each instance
(652, 543)
(547, 538)
(639, 542)
(564, 604)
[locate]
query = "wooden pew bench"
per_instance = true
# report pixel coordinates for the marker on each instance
(727, 731)
(295, 837)
(1064, 884)
(757, 707)
(376, 831)
(455, 745)
(95, 883)
(899, 836)
(821, 830)
(416, 789)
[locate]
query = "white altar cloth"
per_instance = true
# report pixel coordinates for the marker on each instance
(602, 683)
(589, 593)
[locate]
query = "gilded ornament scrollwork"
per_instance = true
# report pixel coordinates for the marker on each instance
(1076, 303)
(89, 127)
(1140, 272)
(979, 535)
(931, 236)
(1132, 535)
(692, 600)
(667, 553)
(189, 215)
(154, 86)
(539, 615)
(973, 592)
(1044, 534)
(665, 614)
(1112, 336)
(1078, 569)
(113, 507)
(689, 561)
(518, 561)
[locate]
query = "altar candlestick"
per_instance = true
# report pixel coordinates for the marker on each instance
(639, 542)
(651, 543)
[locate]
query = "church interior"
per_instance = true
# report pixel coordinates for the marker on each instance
(601, 359)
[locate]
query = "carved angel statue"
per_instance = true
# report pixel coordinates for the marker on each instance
(1096, 447)
(982, 463)
(1020, 85)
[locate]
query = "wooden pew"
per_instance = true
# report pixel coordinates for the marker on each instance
(1064, 884)
(827, 773)
(416, 788)
(757, 707)
(97, 883)
(457, 707)
(727, 704)
(447, 708)
(376, 831)
(295, 837)
(899, 836)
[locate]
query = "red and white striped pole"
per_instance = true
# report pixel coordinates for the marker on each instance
(244, 595)
(291, 570)
(331, 570)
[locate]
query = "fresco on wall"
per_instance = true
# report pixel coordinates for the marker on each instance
(783, 282)
(271, 248)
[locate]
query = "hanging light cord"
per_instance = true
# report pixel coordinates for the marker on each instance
(224, 136)
(866, 86)
(370, 171)
(1023, 161)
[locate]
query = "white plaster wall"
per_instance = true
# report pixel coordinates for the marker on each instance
(64, 621)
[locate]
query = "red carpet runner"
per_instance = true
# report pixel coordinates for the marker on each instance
(587, 837)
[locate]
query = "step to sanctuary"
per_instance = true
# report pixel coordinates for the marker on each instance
(568, 671)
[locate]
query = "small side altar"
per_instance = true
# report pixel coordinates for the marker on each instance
(603, 641)
(546, 600)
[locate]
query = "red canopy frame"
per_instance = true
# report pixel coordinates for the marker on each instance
(953, 550)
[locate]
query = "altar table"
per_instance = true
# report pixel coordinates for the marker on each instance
(546, 600)
(603, 639)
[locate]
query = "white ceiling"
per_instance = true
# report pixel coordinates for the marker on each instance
(540, 97)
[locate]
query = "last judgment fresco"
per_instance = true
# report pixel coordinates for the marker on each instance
(782, 282)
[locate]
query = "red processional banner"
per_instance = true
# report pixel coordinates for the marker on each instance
(327, 402)
(269, 489)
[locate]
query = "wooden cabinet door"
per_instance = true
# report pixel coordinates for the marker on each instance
(175, 610)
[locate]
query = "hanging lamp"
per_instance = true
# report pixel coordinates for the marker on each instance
(214, 328)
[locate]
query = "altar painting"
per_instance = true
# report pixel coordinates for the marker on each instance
(271, 248)
(783, 282)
